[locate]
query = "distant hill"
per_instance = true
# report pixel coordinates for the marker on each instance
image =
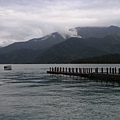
(109, 44)
(68, 50)
(19, 56)
(105, 59)
(34, 44)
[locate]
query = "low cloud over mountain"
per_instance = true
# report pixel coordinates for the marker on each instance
(84, 42)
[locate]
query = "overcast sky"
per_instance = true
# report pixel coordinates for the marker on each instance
(22, 20)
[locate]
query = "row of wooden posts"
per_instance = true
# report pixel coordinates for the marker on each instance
(86, 70)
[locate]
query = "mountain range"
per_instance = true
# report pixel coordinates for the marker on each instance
(78, 43)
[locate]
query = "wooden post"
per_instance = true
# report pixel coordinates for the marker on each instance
(101, 70)
(96, 70)
(66, 69)
(76, 70)
(69, 70)
(107, 70)
(72, 70)
(55, 69)
(115, 70)
(80, 70)
(118, 70)
(63, 69)
(112, 70)
(60, 69)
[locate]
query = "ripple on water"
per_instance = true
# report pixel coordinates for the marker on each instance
(29, 93)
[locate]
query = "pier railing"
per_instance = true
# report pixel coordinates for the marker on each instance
(96, 73)
(85, 70)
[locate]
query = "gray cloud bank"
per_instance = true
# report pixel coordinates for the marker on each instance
(22, 20)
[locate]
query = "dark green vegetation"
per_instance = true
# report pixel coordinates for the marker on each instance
(95, 42)
(69, 50)
(106, 59)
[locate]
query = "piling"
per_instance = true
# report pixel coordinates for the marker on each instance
(96, 73)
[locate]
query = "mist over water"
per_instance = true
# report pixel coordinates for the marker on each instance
(28, 92)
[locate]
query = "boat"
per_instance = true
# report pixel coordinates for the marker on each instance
(7, 67)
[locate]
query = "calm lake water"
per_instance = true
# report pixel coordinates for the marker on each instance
(29, 93)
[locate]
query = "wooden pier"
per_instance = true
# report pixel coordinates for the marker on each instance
(109, 74)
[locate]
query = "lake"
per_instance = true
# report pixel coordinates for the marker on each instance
(27, 92)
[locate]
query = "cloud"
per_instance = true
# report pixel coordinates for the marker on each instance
(22, 20)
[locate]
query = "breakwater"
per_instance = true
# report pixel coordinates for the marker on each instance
(111, 74)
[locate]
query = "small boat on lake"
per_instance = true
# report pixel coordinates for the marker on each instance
(7, 67)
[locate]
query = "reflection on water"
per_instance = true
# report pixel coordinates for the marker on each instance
(28, 93)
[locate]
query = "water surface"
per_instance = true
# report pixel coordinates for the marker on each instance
(29, 93)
